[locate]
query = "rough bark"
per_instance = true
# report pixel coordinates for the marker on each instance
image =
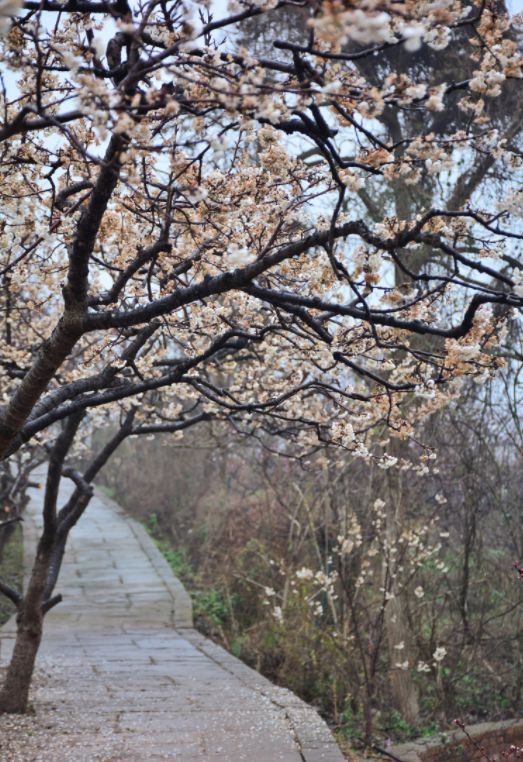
(15, 690)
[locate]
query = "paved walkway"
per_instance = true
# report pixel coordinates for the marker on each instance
(126, 677)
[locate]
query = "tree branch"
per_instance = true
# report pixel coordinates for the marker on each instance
(13, 596)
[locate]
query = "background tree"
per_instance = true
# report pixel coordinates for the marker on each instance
(406, 196)
(292, 566)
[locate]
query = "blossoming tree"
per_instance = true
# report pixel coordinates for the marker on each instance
(190, 231)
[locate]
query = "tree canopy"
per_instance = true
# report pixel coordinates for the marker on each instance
(186, 222)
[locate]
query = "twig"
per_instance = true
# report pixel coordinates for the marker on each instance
(10, 593)
(10, 521)
(78, 479)
(387, 753)
(51, 603)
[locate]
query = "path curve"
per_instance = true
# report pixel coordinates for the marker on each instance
(126, 678)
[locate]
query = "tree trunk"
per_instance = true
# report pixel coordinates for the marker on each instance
(403, 688)
(37, 600)
(15, 690)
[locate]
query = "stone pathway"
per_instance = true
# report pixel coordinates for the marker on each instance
(127, 678)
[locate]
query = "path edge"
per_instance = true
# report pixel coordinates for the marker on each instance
(182, 602)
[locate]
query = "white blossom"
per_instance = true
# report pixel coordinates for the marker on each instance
(8, 9)
(304, 573)
(413, 35)
(238, 256)
(439, 654)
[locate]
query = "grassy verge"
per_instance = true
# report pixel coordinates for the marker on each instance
(210, 610)
(11, 571)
